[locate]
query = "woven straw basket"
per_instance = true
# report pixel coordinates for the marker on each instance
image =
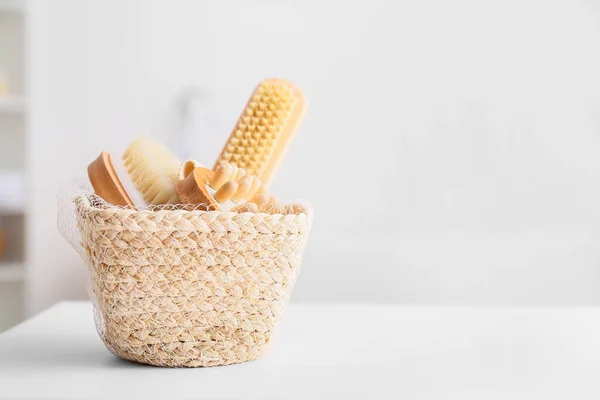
(178, 288)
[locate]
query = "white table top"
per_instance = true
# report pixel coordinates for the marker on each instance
(329, 350)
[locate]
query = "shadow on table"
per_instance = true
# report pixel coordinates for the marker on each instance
(56, 353)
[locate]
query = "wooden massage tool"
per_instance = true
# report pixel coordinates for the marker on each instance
(225, 189)
(187, 167)
(265, 129)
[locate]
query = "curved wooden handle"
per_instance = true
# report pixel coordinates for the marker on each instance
(106, 183)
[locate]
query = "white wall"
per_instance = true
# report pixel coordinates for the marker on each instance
(450, 149)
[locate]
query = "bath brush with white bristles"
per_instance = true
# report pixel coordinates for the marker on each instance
(111, 181)
(154, 170)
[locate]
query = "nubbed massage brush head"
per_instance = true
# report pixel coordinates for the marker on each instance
(265, 129)
(222, 189)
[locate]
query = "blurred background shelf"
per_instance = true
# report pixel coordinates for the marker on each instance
(13, 104)
(12, 5)
(12, 271)
(12, 207)
(12, 192)
(13, 133)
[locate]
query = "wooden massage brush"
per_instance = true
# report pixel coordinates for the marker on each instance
(223, 189)
(265, 129)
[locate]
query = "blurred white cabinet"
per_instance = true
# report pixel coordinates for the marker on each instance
(13, 123)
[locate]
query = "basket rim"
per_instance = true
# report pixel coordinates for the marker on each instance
(96, 203)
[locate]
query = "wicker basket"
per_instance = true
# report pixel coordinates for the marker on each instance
(179, 288)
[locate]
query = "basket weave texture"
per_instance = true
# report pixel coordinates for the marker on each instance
(178, 288)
